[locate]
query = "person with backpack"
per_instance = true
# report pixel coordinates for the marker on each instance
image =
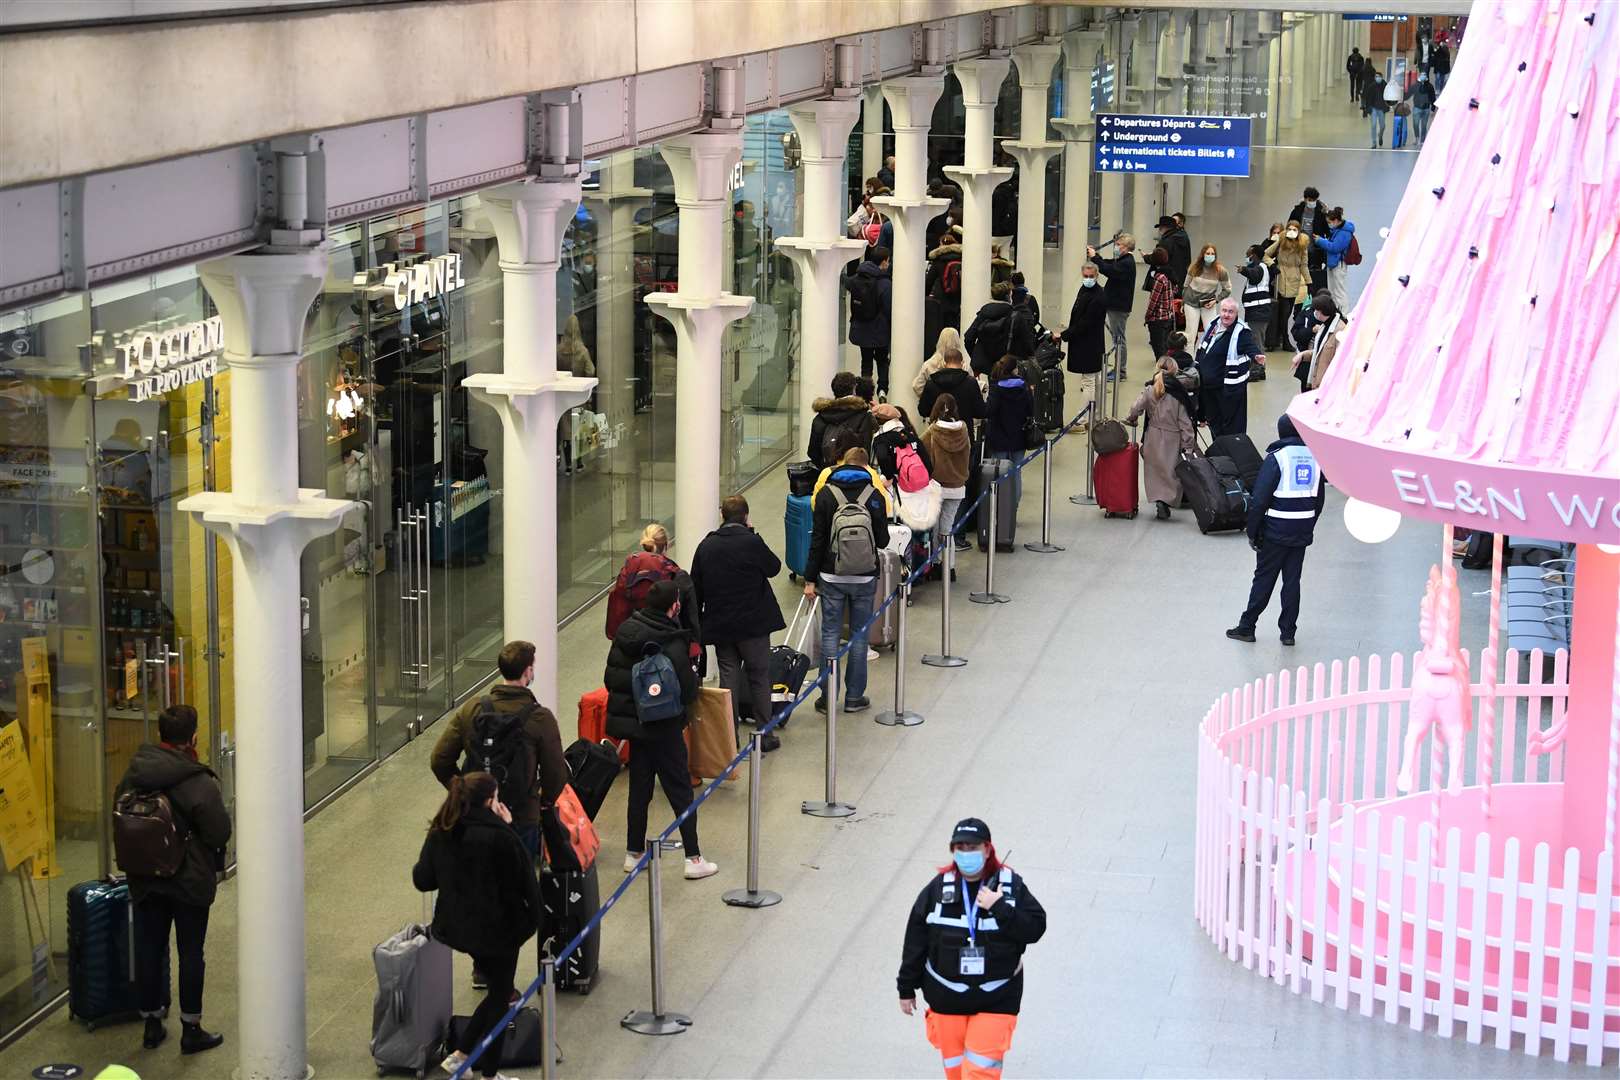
(489, 901)
(851, 512)
(650, 683)
(954, 379)
(732, 570)
(869, 298)
(846, 413)
(944, 279)
(1355, 66)
(170, 828)
(644, 567)
(1342, 252)
(990, 336)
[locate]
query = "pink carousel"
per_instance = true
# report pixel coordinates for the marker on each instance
(1434, 835)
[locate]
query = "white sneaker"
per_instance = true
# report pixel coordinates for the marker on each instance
(630, 860)
(698, 867)
(453, 1062)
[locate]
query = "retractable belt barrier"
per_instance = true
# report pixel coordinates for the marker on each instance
(657, 1021)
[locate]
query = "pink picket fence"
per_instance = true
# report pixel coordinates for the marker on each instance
(1314, 871)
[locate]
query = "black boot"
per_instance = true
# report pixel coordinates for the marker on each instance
(194, 1040)
(1163, 512)
(155, 1033)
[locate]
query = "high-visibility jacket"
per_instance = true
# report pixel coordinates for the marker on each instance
(939, 929)
(1288, 495)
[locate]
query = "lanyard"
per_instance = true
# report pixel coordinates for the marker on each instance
(972, 915)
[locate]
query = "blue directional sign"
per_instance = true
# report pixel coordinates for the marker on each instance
(1178, 145)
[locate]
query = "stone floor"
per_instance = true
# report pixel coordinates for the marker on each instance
(1071, 731)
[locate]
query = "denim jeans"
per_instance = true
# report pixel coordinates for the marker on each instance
(835, 596)
(1117, 321)
(1375, 122)
(947, 522)
(1420, 123)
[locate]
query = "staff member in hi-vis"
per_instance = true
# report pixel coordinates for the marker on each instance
(964, 947)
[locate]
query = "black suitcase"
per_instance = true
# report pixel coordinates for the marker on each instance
(1049, 400)
(592, 768)
(801, 477)
(101, 954)
(1006, 506)
(1218, 498)
(1241, 452)
(571, 900)
(521, 1046)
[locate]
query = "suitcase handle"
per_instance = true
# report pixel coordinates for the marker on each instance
(809, 617)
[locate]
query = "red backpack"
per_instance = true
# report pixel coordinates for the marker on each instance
(1352, 254)
(641, 570)
(950, 279)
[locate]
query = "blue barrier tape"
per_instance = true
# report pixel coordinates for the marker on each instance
(776, 720)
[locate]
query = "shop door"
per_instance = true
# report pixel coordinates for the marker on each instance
(159, 567)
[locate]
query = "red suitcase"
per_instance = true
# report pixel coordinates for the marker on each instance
(593, 722)
(1113, 478)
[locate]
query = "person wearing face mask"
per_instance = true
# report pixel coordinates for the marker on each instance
(1311, 364)
(1119, 283)
(1335, 246)
(1291, 252)
(1226, 351)
(1206, 287)
(1422, 101)
(1311, 215)
(964, 949)
(1084, 334)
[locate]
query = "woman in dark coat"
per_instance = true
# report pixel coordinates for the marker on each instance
(489, 900)
(1011, 402)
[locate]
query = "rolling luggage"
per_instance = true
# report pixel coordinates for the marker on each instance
(1114, 481)
(1241, 452)
(520, 1048)
(592, 768)
(1049, 400)
(414, 1000)
(101, 951)
(571, 900)
(790, 664)
(1006, 507)
(1219, 500)
(593, 722)
(801, 476)
(797, 522)
(886, 625)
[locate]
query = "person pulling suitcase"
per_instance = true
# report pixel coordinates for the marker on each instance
(1288, 498)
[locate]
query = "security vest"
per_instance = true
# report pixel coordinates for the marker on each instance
(948, 911)
(1236, 368)
(1300, 486)
(1259, 293)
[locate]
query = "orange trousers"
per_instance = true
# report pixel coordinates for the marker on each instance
(971, 1047)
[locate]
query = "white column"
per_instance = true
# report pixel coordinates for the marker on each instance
(530, 395)
(614, 205)
(1111, 212)
(978, 175)
(266, 521)
(911, 108)
(1297, 50)
(871, 131)
(821, 253)
(1032, 150)
(1080, 49)
(701, 165)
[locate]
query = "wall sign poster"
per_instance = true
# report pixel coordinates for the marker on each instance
(22, 826)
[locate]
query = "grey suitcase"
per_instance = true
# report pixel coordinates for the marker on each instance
(888, 623)
(414, 1000)
(1006, 506)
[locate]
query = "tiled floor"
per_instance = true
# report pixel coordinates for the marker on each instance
(1071, 731)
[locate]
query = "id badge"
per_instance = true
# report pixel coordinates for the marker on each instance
(971, 960)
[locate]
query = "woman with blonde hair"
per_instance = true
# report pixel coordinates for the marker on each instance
(1169, 434)
(573, 355)
(1206, 286)
(949, 338)
(636, 578)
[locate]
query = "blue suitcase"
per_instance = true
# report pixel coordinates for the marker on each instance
(797, 522)
(101, 941)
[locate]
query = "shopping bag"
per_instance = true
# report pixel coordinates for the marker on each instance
(711, 740)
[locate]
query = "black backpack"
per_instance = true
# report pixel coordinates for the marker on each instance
(497, 745)
(863, 299)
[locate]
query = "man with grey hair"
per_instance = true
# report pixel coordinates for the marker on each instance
(1119, 284)
(1226, 351)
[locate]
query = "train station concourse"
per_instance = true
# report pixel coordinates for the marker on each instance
(773, 538)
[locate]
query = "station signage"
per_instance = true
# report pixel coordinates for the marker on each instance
(1174, 145)
(423, 280)
(154, 362)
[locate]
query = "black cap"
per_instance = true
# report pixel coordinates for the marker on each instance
(970, 831)
(1167, 221)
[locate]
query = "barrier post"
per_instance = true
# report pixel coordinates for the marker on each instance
(900, 716)
(989, 595)
(830, 807)
(943, 658)
(1090, 499)
(753, 896)
(548, 1019)
(1046, 547)
(656, 1021)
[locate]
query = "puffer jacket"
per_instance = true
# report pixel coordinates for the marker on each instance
(960, 384)
(851, 413)
(639, 630)
(1009, 406)
(193, 792)
(937, 931)
(489, 899)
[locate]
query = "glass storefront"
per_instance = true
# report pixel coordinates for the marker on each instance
(115, 405)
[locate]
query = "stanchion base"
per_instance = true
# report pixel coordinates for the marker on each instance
(890, 718)
(827, 809)
(1043, 547)
(744, 898)
(989, 598)
(649, 1023)
(937, 660)
(1082, 500)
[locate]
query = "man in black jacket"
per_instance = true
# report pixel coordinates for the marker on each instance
(1177, 250)
(1355, 66)
(183, 899)
(1288, 498)
(991, 335)
(656, 750)
(732, 570)
(956, 380)
(1119, 284)
(829, 572)
(845, 413)
(1311, 213)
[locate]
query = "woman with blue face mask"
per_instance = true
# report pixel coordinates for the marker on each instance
(964, 949)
